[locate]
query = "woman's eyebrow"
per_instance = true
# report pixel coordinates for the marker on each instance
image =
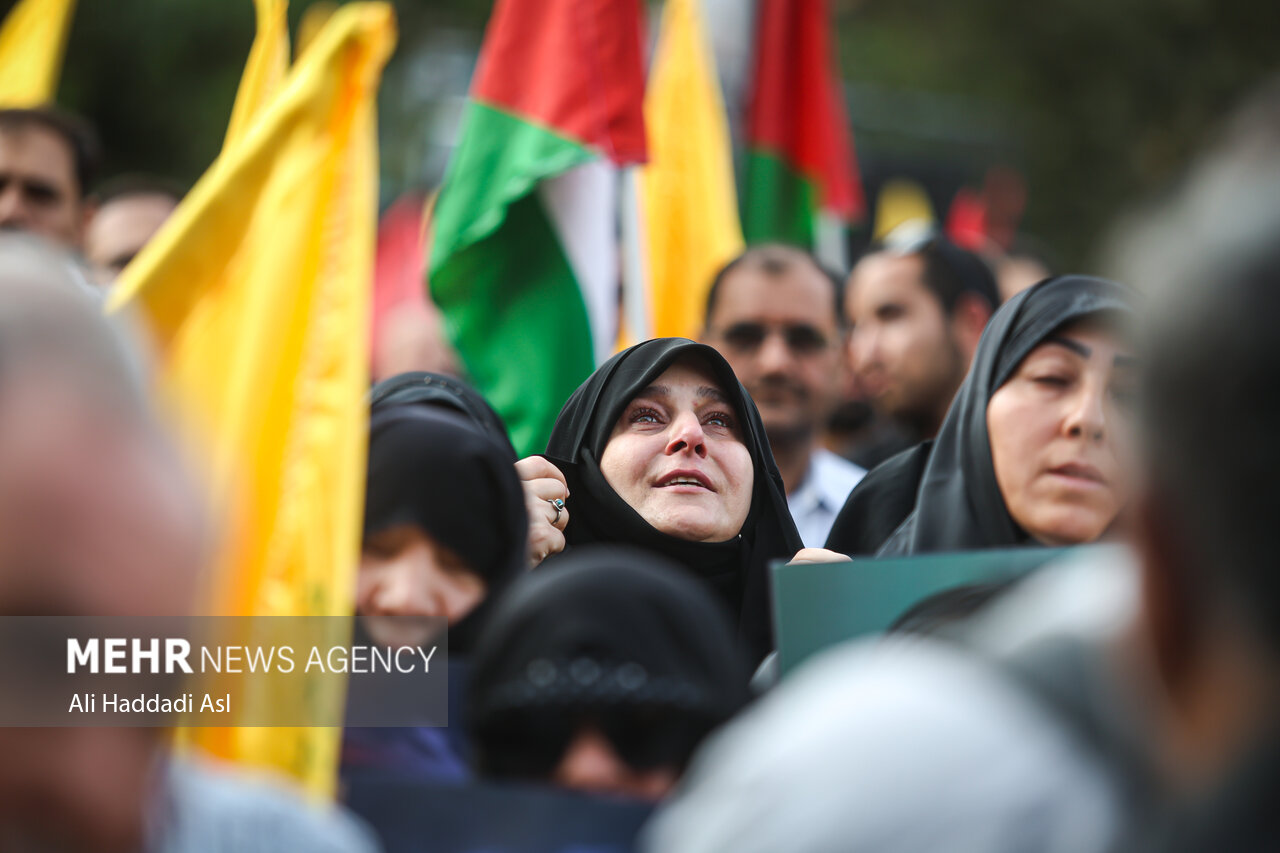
(711, 392)
(1075, 346)
(653, 391)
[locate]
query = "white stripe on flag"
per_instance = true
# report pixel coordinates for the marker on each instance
(582, 204)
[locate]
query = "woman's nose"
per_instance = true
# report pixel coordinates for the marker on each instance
(405, 592)
(1087, 417)
(590, 764)
(687, 435)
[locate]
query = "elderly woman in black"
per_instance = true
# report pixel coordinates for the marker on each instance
(662, 449)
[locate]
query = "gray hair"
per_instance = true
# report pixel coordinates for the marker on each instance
(51, 320)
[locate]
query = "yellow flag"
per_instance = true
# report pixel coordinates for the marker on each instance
(265, 69)
(256, 292)
(690, 210)
(313, 21)
(901, 200)
(31, 43)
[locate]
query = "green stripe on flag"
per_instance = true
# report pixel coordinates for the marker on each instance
(511, 303)
(779, 204)
(499, 158)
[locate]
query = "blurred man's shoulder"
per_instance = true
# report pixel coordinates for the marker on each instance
(212, 807)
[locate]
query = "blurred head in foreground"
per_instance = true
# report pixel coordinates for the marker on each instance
(602, 672)
(96, 518)
(1210, 410)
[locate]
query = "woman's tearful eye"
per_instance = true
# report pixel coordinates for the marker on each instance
(645, 415)
(720, 419)
(680, 430)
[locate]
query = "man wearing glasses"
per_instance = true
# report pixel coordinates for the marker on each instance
(774, 313)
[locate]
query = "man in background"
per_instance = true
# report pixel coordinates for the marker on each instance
(47, 161)
(130, 210)
(916, 307)
(774, 314)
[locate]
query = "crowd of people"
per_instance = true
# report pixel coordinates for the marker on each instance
(609, 602)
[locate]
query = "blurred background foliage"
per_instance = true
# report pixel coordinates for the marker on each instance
(1097, 103)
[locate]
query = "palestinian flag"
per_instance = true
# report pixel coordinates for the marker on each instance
(800, 161)
(524, 261)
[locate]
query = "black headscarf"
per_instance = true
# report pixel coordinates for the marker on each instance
(435, 468)
(437, 389)
(615, 636)
(737, 569)
(958, 505)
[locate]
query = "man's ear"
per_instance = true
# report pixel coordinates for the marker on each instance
(1169, 618)
(967, 322)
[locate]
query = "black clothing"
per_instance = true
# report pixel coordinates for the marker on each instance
(611, 637)
(434, 468)
(437, 389)
(1239, 815)
(879, 504)
(735, 569)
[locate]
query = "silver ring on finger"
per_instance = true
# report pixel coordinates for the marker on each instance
(558, 506)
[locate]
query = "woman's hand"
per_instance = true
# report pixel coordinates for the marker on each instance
(818, 555)
(543, 484)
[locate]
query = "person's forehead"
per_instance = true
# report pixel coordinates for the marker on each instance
(885, 277)
(799, 294)
(37, 151)
(126, 223)
(1099, 338)
(685, 379)
(148, 206)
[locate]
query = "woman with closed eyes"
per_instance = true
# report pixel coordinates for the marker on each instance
(1034, 447)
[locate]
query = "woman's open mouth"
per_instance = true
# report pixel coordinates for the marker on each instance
(692, 480)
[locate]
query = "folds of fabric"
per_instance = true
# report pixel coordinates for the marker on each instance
(32, 41)
(690, 206)
(265, 69)
(524, 254)
(800, 160)
(256, 296)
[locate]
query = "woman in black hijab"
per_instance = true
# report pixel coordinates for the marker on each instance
(1027, 453)
(617, 447)
(602, 673)
(421, 387)
(444, 533)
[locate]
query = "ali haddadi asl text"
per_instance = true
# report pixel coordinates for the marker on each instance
(107, 703)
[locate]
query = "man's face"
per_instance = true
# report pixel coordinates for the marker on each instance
(901, 348)
(39, 192)
(122, 226)
(779, 334)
